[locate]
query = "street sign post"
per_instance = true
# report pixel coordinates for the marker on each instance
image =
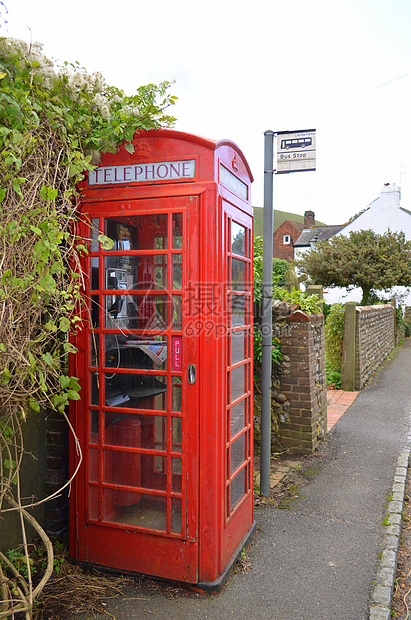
(296, 151)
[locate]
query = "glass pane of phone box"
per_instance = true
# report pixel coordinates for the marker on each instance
(136, 391)
(138, 509)
(139, 232)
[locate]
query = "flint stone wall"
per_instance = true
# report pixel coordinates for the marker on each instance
(374, 340)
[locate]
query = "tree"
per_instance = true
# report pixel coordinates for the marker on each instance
(365, 259)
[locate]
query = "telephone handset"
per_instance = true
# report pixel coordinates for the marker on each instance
(116, 279)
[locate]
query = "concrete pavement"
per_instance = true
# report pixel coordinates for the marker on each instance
(328, 555)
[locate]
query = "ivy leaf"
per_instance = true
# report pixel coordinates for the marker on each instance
(9, 464)
(48, 358)
(64, 381)
(51, 193)
(69, 348)
(14, 110)
(6, 275)
(73, 395)
(106, 242)
(64, 324)
(48, 283)
(50, 326)
(129, 146)
(35, 406)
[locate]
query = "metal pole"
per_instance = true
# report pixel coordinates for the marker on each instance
(266, 315)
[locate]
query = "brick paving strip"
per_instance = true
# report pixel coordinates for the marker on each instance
(279, 471)
(338, 402)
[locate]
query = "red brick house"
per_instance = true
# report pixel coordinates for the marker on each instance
(287, 233)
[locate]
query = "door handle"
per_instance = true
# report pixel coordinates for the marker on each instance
(192, 374)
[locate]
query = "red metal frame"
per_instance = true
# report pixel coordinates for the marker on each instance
(212, 460)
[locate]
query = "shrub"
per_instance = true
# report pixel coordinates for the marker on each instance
(334, 335)
(54, 122)
(333, 378)
(326, 310)
(276, 354)
(309, 304)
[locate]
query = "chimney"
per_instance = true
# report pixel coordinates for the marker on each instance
(390, 195)
(309, 219)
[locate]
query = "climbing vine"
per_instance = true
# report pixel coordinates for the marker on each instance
(55, 120)
(334, 336)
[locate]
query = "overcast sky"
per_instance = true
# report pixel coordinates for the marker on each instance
(342, 67)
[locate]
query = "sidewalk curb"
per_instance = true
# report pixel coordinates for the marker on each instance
(381, 599)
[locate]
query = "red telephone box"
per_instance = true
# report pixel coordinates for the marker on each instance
(164, 359)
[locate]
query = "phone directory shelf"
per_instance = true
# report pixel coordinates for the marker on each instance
(126, 352)
(123, 389)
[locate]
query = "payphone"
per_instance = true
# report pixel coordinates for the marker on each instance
(165, 362)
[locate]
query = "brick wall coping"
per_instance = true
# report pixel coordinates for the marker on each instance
(363, 309)
(298, 316)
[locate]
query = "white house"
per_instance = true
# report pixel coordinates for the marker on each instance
(382, 214)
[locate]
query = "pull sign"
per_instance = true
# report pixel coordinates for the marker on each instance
(191, 374)
(177, 352)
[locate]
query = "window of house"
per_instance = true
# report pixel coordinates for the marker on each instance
(286, 239)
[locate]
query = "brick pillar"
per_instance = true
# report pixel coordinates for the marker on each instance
(303, 382)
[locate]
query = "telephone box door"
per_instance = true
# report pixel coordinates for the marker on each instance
(137, 421)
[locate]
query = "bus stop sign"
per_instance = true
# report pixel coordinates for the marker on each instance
(296, 151)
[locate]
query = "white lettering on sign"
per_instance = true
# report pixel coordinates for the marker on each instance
(143, 173)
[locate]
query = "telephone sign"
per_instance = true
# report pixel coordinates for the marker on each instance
(142, 172)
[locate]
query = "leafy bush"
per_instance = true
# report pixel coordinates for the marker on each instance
(334, 335)
(333, 377)
(310, 304)
(326, 311)
(276, 354)
(54, 122)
